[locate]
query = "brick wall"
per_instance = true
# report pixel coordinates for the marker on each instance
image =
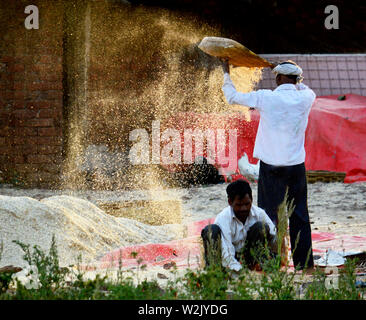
(30, 94)
(42, 85)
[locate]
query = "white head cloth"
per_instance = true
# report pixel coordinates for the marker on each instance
(289, 68)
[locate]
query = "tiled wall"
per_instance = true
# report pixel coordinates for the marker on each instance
(325, 74)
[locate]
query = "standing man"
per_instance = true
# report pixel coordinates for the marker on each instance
(279, 146)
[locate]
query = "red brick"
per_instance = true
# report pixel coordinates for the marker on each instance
(20, 76)
(5, 114)
(38, 104)
(39, 123)
(33, 95)
(6, 132)
(52, 77)
(52, 141)
(18, 159)
(40, 67)
(7, 150)
(7, 95)
(18, 67)
(28, 149)
(31, 76)
(57, 104)
(18, 94)
(45, 85)
(19, 140)
(24, 114)
(19, 104)
(33, 86)
(49, 132)
(55, 85)
(19, 123)
(47, 59)
(47, 113)
(18, 85)
(7, 59)
(44, 69)
(7, 80)
(44, 149)
(4, 84)
(51, 94)
(4, 159)
(28, 140)
(24, 149)
(39, 158)
(25, 131)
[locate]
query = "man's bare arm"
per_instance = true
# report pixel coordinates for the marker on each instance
(225, 65)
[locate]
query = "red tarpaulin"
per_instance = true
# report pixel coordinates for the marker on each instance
(187, 252)
(335, 137)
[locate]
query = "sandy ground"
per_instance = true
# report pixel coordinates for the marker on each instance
(333, 207)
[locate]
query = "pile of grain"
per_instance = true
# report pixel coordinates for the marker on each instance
(80, 228)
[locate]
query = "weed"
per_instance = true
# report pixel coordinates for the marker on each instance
(1, 249)
(211, 283)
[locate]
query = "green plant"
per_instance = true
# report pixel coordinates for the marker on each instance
(343, 286)
(50, 274)
(214, 282)
(285, 210)
(211, 283)
(1, 249)
(213, 251)
(5, 279)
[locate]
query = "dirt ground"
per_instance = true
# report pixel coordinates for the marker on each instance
(333, 207)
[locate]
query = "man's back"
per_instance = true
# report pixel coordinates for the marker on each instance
(283, 119)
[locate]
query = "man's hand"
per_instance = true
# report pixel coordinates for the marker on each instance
(225, 65)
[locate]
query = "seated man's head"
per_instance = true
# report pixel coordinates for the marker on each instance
(239, 195)
(287, 72)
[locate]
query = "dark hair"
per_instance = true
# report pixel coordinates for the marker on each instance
(239, 188)
(288, 62)
(292, 77)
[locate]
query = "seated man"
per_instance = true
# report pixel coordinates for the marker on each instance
(240, 228)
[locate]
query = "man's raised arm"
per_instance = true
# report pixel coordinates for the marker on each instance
(251, 99)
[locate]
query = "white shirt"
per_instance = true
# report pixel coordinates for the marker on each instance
(283, 119)
(234, 233)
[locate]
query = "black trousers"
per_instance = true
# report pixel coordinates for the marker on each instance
(272, 184)
(257, 236)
